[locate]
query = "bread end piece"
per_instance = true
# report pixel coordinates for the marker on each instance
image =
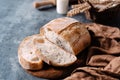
(27, 54)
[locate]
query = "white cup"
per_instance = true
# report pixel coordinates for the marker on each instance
(62, 6)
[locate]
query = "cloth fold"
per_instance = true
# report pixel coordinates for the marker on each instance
(103, 59)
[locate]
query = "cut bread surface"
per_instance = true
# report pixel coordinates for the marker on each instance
(27, 54)
(54, 55)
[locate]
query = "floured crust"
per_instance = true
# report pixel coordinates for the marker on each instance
(29, 60)
(60, 24)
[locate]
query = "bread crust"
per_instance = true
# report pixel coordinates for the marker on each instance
(26, 64)
(78, 38)
(59, 24)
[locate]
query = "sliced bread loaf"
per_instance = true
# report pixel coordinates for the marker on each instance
(27, 54)
(53, 54)
(68, 34)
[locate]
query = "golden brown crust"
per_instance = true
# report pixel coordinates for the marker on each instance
(78, 37)
(81, 36)
(59, 24)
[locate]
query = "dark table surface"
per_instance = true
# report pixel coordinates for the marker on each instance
(18, 19)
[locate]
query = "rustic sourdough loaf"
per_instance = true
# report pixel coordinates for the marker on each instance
(27, 54)
(67, 33)
(53, 54)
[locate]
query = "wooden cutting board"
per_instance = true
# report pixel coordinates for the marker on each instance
(50, 72)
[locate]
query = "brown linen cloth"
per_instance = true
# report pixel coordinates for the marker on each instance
(103, 60)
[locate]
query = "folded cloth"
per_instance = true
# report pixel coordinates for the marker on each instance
(103, 60)
(91, 73)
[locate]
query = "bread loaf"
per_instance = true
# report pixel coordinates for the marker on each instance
(53, 54)
(27, 54)
(68, 34)
(57, 44)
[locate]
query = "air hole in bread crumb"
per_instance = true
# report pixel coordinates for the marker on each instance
(49, 29)
(30, 52)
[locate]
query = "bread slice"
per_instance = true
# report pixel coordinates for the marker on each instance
(53, 54)
(27, 54)
(68, 34)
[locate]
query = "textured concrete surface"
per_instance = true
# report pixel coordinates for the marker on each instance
(19, 19)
